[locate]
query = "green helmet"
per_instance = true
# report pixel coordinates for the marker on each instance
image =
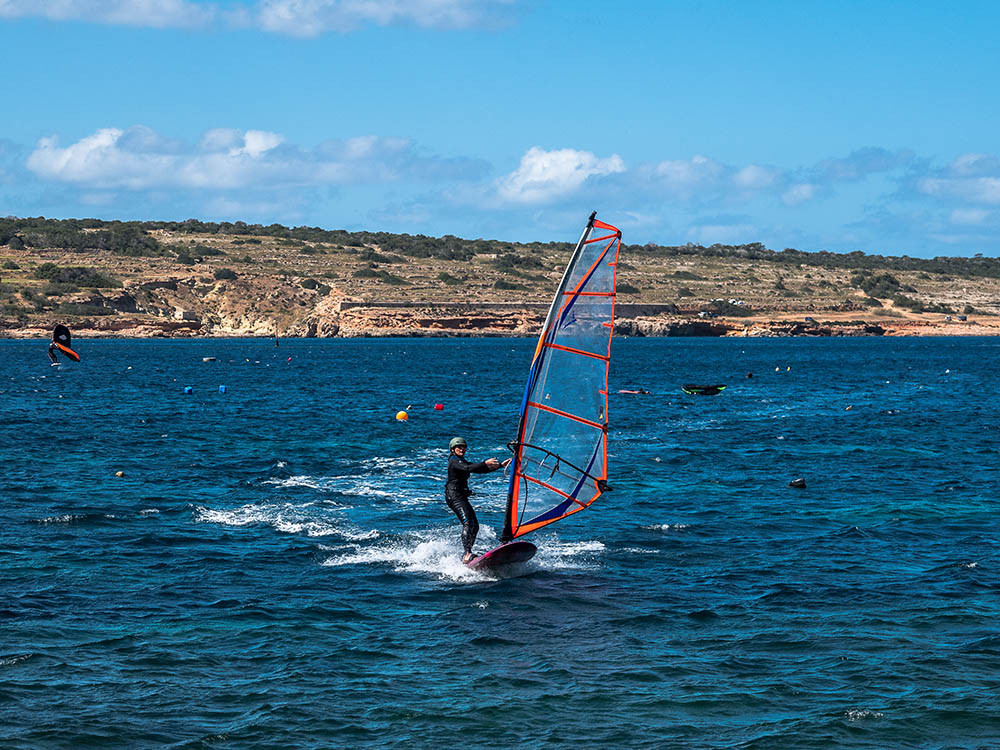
(456, 442)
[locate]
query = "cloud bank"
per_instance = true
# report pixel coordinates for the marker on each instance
(141, 159)
(301, 18)
(872, 199)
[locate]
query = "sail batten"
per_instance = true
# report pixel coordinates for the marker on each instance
(560, 454)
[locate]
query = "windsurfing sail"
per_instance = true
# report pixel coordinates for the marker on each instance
(62, 341)
(560, 454)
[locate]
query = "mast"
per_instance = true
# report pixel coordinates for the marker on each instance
(508, 534)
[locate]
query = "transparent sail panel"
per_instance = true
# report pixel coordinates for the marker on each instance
(562, 444)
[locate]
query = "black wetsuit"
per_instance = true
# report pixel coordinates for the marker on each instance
(457, 492)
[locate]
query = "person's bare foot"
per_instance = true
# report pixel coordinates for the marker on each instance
(468, 557)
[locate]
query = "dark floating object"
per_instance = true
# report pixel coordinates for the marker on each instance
(703, 390)
(800, 483)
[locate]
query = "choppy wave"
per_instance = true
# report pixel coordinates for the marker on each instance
(286, 517)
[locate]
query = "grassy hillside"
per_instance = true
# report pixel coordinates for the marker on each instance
(72, 268)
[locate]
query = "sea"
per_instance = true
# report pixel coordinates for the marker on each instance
(276, 567)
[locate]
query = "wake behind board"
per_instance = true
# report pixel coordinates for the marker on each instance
(505, 554)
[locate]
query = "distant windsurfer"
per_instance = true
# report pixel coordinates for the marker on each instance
(457, 492)
(61, 342)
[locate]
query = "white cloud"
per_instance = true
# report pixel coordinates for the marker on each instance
(974, 189)
(975, 165)
(257, 143)
(969, 216)
(146, 13)
(754, 177)
(140, 159)
(315, 17)
(973, 178)
(797, 194)
(686, 178)
(302, 18)
(544, 176)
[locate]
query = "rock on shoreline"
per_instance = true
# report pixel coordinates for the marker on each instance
(332, 318)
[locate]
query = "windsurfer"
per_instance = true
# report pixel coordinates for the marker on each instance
(457, 492)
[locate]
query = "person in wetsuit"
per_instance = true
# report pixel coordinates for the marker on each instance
(457, 492)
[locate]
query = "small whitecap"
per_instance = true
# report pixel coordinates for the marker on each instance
(667, 526)
(65, 518)
(9, 661)
(148, 512)
(858, 714)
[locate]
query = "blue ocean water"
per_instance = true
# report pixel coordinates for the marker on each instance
(277, 567)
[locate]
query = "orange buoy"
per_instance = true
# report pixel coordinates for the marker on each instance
(402, 416)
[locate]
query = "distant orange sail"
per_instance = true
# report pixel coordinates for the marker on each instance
(560, 455)
(68, 352)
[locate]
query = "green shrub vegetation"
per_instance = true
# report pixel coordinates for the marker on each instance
(385, 276)
(133, 238)
(87, 277)
(624, 288)
(724, 307)
(882, 285)
(508, 262)
(446, 278)
(687, 275)
(77, 308)
(57, 289)
(224, 274)
(374, 257)
(207, 250)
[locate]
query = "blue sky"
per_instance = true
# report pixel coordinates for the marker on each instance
(842, 126)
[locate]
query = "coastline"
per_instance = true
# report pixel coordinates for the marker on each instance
(212, 284)
(463, 320)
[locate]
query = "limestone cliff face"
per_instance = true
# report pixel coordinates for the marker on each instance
(268, 305)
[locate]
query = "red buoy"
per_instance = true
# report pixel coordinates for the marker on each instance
(438, 407)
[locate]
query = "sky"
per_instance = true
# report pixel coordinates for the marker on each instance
(841, 126)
